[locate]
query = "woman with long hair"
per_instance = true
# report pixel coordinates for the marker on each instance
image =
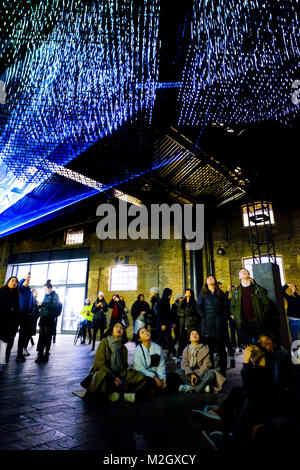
(110, 375)
(99, 322)
(50, 309)
(188, 311)
(196, 372)
(9, 317)
(214, 312)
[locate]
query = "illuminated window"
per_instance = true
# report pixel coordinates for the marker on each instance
(74, 237)
(123, 277)
(260, 213)
(248, 264)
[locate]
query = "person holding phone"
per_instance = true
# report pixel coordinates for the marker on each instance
(99, 321)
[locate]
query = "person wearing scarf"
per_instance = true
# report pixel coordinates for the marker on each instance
(110, 375)
(117, 307)
(196, 373)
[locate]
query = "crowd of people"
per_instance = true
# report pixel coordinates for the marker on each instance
(198, 332)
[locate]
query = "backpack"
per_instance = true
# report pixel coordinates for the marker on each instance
(58, 309)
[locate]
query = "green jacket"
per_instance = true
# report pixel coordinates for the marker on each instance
(86, 313)
(260, 302)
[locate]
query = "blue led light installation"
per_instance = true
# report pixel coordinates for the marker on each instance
(242, 60)
(78, 71)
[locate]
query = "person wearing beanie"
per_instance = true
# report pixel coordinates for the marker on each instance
(164, 322)
(99, 321)
(87, 320)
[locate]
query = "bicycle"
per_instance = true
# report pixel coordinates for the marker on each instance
(79, 332)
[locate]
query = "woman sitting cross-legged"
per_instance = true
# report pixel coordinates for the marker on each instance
(110, 375)
(196, 373)
(148, 360)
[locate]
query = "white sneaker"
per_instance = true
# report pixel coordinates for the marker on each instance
(207, 389)
(130, 397)
(25, 352)
(176, 359)
(114, 396)
(185, 388)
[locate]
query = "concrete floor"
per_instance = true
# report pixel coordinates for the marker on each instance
(39, 412)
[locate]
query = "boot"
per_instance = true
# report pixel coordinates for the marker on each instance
(46, 357)
(40, 358)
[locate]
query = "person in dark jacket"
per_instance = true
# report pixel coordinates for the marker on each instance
(250, 307)
(117, 307)
(188, 309)
(99, 321)
(164, 322)
(293, 309)
(140, 311)
(213, 310)
(26, 311)
(178, 322)
(152, 318)
(267, 407)
(9, 317)
(35, 316)
(50, 309)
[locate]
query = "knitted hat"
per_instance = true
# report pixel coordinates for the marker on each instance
(100, 293)
(155, 290)
(178, 297)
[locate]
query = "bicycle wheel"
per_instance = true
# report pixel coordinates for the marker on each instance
(77, 334)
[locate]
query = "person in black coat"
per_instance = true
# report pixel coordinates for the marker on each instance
(140, 312)
(9, 317)
(99, 321)
(214, 313)
(188, 310)
(164, 322)
(152, 317)
(117, 306)
(35, 316)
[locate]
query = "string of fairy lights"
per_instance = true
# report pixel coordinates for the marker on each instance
(241, 63)
(78, 71)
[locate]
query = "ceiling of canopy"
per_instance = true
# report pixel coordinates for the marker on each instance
(90, 90)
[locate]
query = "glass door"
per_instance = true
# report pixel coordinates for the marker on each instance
(74, 302)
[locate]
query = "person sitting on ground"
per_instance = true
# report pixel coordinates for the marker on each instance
(270, 391)
(110, 375)
(139, 311)
(148, 360)
(196, 371)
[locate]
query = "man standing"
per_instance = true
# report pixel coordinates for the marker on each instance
(250, 307)
(26, 310)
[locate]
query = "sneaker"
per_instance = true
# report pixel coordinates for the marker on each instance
(207, 389)
(114, 397)
(208, 419)
(82, 342)
(176, 359)
(185, 388)
(25, 352)
(232, 363)
(46, 357)
(93, 348)
(20, 359)
(213, 440)
(130, 397)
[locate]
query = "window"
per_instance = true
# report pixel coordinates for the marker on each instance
(74, 237)
(259, 213)
(123, 278)
(248, 264)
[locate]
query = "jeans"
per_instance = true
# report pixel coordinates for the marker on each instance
(87, 325)
(24, 333)
(294, 329)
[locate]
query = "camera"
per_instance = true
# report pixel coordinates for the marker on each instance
(257, 352)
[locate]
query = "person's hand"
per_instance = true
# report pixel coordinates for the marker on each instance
(158, 382)
(143, 312)
(87, 314)
(229, 288)
(290, 285)
(252, 280)
(232, 316)
(193, 379)
(163, 327)
(249, 357)
(117, 382)
(39, 304)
